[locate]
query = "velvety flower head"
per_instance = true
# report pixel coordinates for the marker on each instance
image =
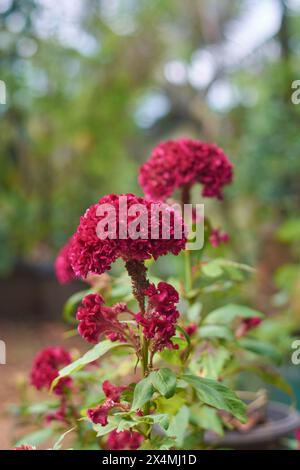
(95, 320)
(62, 266)
(160, 318)
(124, 440)
(184, 162)
(99, 415)
(216, 238)
(112, 391)
(46, 368)
(90, 253)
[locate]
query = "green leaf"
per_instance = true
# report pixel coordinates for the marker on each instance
(142, 393)
(72, 303)
(164, 381)
(207, 418)
(170, 405)
(103, 430)
(58, 443)
(289, 231)
(35, 438)
(179, 424)
(262, 349)
(158, 443)
(215, 331)
(225, 315)
(212, 269)
(194, 312)
(212, 361)
(217, 395)
(97, 351)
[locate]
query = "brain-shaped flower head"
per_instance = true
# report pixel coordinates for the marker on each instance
(124, 226)
(176, 163)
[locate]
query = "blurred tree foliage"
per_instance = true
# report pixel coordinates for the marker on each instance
(84, 109)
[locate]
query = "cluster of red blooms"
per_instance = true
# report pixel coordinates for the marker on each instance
(95, 320)
(159, 320)
(124, 440)
(90, 254)
(46, 368)
(247, 325)
(63, 269)
(216, 238)
(112, 393)
(184, 162)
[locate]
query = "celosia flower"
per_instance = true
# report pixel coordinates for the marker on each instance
(160, 318)
(62, 266)
(216, 238)
(25, 447)
(191, 329)
(99, 414)
(184, 162)
(129, 440)
(95, 320)
(247, 325)
(90, 254)
(46, 368)
(112, 393)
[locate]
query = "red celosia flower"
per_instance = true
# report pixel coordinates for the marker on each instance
(95, 319)
(297, 437)
(184, 162)
(99, 414)
(159, 321)
(191, 329)
(63, 269)
(217, 237)
(25, 447)
(90, 254)
(129, 440)
(246, 325)
(112, 393)
(46, 367)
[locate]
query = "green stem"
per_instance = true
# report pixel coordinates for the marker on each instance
(188, 271)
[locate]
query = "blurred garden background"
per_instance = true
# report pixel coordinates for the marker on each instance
(91, 87)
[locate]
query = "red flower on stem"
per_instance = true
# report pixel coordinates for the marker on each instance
(181, 163)
(124, 440)
(99, 415)
(90, 253)
(96, 320)
(46, 368)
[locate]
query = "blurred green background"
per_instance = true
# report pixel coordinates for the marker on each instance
(93, 85)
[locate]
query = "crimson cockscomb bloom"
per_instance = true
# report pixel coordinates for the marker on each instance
(124, 440)
(177, 163)
(62, 266)
(160, 318)
(99, 414)
(116, 217)
(46, 368)
(96, 320)
(217, 237)
(247, 325)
